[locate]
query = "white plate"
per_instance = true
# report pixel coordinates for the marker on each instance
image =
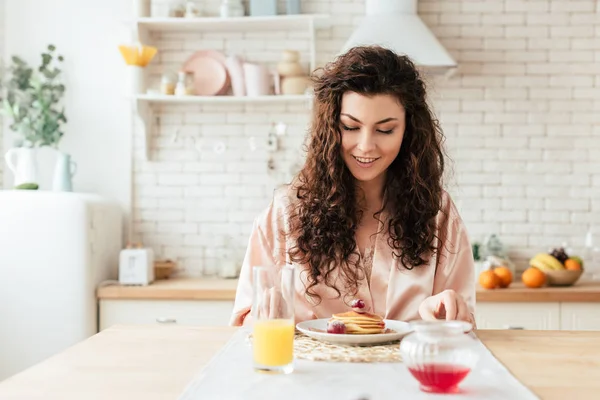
(401, 329)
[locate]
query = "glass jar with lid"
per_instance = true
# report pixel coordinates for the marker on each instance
(439, 354)
(167, 83)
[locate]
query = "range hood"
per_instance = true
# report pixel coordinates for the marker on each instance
(394, 24)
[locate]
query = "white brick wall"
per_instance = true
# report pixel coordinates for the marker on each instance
(521, 118)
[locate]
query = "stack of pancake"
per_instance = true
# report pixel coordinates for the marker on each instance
(360, 323)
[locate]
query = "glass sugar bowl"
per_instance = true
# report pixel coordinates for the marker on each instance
(439, 354)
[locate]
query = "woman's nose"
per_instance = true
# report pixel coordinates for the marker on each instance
(366, 142)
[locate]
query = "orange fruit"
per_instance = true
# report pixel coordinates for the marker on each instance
(504, 275)
(489, 280)
(572, 264)
(533, 277)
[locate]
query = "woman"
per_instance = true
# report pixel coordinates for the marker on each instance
(367, 216)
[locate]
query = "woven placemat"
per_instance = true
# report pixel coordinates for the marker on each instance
(312, 349)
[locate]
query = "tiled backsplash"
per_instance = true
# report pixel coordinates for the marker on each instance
(209, 178)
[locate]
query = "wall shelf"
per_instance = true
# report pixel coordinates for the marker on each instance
(144, 104)
(143, 27)
(236, 24)
(164, 99)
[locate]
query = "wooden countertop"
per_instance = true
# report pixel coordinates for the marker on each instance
(224, 289)
(517, 292)
(157, 362)
(173, 289)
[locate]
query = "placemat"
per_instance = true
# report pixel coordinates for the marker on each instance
(308, 348)
(230, 376)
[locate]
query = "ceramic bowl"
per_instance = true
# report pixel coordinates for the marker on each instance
(563, 277)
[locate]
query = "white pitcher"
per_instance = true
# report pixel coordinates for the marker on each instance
(22, 161)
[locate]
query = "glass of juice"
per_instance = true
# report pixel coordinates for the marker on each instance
(439, 354)
(273, 319)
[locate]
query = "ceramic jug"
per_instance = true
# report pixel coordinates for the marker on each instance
(22, 161)
(64, 170)
(259, 81)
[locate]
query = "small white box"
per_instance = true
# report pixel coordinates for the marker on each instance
(136, 266)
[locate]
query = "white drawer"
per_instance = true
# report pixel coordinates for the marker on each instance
(181, 312)
(530, 316)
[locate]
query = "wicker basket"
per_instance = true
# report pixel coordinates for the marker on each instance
(163, 269)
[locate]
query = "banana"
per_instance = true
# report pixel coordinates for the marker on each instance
(545, 261)
(551, 261)
(536, 263)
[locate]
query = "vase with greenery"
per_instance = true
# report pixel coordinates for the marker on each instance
(31, 100)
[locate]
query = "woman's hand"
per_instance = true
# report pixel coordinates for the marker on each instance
(271, 305)
(275, 303)
(447, 305)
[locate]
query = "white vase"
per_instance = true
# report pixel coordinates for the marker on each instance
(22, 161)
(137, 79)
(64, 170)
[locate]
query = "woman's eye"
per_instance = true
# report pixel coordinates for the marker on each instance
(386, 132)
(347, 128)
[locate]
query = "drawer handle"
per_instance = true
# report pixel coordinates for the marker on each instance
(514, 327)
(166, 320)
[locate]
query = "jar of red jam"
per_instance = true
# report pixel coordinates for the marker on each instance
(439, 354)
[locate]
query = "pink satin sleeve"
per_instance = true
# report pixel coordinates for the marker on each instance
(456, 267)
(258, 253)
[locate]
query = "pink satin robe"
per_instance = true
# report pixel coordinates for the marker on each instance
(394, 293)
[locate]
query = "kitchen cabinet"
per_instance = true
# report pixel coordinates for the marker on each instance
(512, 315)
(580, 316)
(530, 316)
(539, 316)
(181, 312)
(562, 308)
(191, 301)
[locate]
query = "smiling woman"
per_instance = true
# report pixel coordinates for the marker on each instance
(367, 216)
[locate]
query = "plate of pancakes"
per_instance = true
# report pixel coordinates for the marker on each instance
(354, 327)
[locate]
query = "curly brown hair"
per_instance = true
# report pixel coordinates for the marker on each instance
(326, 214)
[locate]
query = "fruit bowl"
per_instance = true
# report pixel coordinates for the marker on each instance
(562, 277)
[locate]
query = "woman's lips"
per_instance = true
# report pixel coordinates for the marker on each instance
(365, 162)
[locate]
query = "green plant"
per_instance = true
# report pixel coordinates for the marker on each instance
(476, 246)
(32, 101)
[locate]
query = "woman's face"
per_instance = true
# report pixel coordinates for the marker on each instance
(372, 132)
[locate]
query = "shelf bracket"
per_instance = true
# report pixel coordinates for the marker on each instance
(146, 116)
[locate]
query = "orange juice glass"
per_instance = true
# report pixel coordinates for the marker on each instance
(273, 319)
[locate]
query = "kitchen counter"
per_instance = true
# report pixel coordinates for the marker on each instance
(173, 289)
(224, 289)
(581, 292)
(157, 362)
